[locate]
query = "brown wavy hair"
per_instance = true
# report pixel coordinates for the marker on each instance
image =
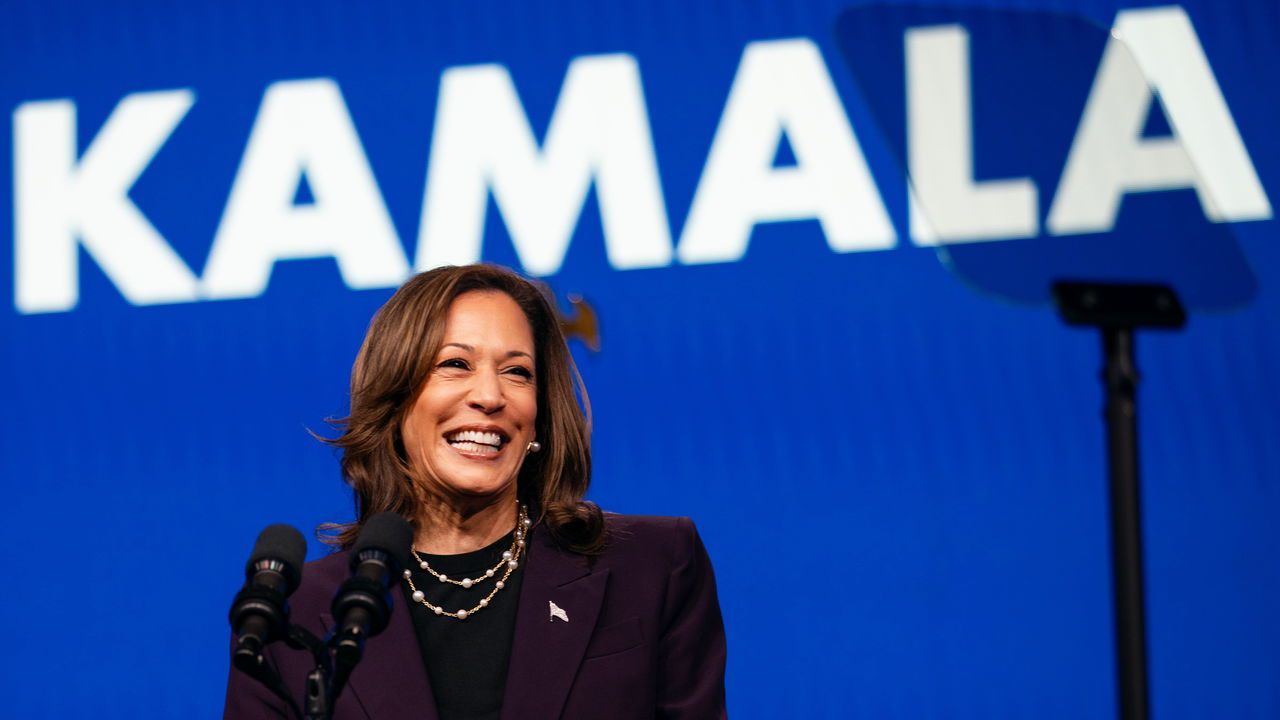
(394, 362)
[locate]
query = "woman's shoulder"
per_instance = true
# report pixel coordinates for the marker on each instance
(673, 539)
(660, 563)
(647, 525)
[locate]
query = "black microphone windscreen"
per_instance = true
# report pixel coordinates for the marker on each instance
(388, 532)
(283, 543)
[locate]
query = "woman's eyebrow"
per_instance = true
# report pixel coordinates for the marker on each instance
(471, 349)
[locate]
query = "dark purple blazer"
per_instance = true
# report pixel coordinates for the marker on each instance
(644, 638)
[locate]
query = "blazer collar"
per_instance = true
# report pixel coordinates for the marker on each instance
(546, 651)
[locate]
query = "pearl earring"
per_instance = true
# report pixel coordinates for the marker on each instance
(534, 446)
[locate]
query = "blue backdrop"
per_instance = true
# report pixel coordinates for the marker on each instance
(900, 477)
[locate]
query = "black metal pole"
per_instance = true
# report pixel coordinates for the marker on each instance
(1117, 310)
(1120, 377)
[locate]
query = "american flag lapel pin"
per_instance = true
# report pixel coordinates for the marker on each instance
(556, 612)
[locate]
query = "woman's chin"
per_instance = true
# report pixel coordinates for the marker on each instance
(472, 484)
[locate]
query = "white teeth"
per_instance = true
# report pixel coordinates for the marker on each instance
(490, 439)
(470, 447)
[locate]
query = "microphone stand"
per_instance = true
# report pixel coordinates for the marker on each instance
(324, 682)
(1116, 311)
(251, 660)
(323, 685)
(319, 698)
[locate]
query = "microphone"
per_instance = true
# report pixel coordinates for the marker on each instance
(260, 612)
(362, 607)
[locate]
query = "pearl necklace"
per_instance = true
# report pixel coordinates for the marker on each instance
(510, 558)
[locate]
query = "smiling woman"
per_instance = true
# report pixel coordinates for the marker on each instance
(473, 347)
(526, 601)
(468, 432)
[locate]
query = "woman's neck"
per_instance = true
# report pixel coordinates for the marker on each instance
(452, 528)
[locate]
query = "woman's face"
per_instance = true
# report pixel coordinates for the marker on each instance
(469, 427)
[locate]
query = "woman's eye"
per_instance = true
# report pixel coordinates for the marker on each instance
(457, 363)
(522, 372)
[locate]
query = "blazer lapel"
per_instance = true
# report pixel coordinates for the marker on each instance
(546, 651)
(391, 681)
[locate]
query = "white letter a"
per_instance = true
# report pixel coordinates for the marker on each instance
(782, 86)
(303, 127)
(1155, 50)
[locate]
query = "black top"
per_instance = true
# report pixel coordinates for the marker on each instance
(466, 660)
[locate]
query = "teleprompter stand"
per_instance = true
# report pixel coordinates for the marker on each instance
(1117, 311)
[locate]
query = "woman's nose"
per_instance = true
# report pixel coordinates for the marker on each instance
(486, 392)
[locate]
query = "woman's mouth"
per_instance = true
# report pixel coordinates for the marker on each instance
(476, 442)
